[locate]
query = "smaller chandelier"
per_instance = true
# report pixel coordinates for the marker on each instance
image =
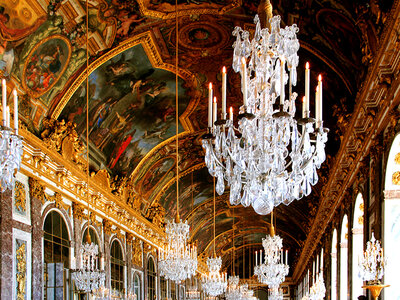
(233, 291)
(274, 269)
(275, 293)
(372, 264)
(88, 278)
(215, 283)
(10, 143)
(178, 260)
(317, 290)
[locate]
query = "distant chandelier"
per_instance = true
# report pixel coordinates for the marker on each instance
(233, 291)
(10, 143)
(372, 264)
(88, 278)
(215, 283)
(270, 156)
(178, 259)
(246, 293)
(275, 293)
(318, 290)
(275, 268)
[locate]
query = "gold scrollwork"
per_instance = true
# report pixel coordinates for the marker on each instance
(156, 214)
(36, 190)
(397, 158)
(77, 210)
(20, 197)
(137, 254)
(396, 178)
(21, 271)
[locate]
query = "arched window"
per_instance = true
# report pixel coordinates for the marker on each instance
(357, 231)
(117, 268)
(136, 286)
(343, 258)
(334, 266)
(163, 288)
(56, 244)
(151, 280)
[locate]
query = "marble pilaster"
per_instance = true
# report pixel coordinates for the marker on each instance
(6, 241)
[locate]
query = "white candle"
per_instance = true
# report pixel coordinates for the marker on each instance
(8, 116)
(4, 100)
(316, 107)
(317, 265)
(231, 113)
(256, 259)
(15, 111)
(304, 100)
(210, 95)
(244, 81)
(313, 270)
(214, 110)
(320, 97)
(287, 257)
(307, 87)
(282, 81)
(322, 261)
(223, 93)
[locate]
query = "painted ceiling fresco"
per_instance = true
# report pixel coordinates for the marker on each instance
(132, 94)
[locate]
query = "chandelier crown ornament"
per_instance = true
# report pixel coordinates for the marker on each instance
(11, 148)
(270, 157)
(372, 264)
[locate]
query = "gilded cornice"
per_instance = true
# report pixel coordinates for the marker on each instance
(376, 98)
(43, 165)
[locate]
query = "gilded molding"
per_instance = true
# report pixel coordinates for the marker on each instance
(107, 227)
(36, 190)
(21, 271)
(77, 211)
(20, 197)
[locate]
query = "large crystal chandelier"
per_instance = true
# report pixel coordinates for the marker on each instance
(273, 269)
(178, 259)
(10, 143)
(88, 278)
(215, 283)
(270, 156)
(372, 264)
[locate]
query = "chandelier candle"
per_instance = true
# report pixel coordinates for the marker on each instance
(210, 95)
(4, 99)
(223, 93)
(307, 91)
(282, 98)
(319, 116)
(244, 84)
(214, 110)
(231, 113)
(15, 111)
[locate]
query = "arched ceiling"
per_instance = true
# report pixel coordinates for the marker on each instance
(132, 93)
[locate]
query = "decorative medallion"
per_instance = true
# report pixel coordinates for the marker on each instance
(45, 64)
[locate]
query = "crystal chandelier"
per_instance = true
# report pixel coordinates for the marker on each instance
(178, 260)
(10, 143)
(88, 278)
(192, 292)
(270, 156)
(372, 264)
(275, 293)
(317, 290)
(273, 270)
(215, 283)
(233, 291)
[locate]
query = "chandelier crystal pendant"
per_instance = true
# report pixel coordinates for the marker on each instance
(215, 283)
(270, 157)
(88, 278)
(372, 264)
(178, 259)
(233, 291)
(10, 143)
(274, 268)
